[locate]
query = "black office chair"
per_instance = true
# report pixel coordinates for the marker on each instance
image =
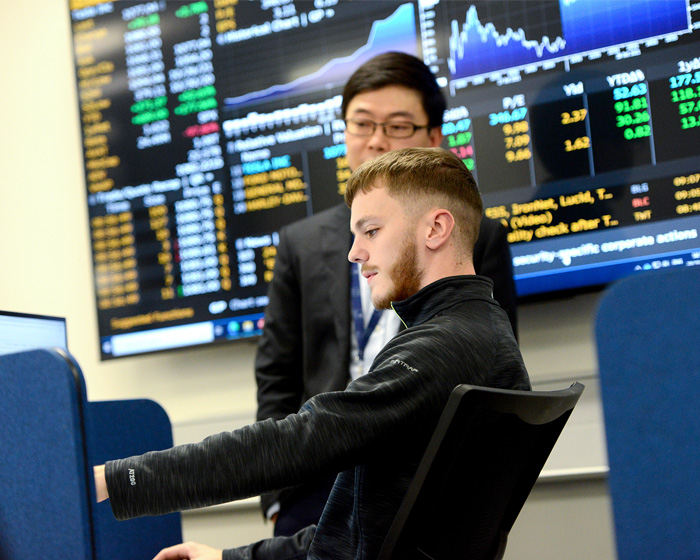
(478, 469)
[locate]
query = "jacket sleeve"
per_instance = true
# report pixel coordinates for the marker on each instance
(279, 362)
(381, 415)
(492, 258)
(386, 416)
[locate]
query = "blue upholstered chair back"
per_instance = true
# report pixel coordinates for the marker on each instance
(117, 429)
(648, 339)
(51, 437)
(43, 506)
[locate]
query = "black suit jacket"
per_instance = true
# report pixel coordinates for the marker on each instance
(305, 347)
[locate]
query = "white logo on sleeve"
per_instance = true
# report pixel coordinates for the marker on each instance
(404, 364)
(132, 477)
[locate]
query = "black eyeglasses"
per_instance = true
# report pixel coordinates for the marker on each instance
(392, 129)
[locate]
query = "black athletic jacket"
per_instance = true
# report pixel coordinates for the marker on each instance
(373, 433)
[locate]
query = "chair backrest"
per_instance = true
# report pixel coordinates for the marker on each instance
(52, 436)
(484, 457)
(116, 429)
(648, 339)
(44, 506)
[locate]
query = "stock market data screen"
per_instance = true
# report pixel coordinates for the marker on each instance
(208, 126)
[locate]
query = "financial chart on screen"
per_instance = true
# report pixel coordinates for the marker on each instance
(209, 126)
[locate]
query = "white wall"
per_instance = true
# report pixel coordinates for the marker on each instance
(45, 268)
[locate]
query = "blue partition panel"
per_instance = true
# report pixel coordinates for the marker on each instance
(117, 429)
(648, 338)
(44, 507)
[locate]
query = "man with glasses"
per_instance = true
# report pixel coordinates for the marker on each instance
(321, 330)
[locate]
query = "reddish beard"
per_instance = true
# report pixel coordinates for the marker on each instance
(404, 275)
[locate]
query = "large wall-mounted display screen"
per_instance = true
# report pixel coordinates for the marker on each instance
(208, 126)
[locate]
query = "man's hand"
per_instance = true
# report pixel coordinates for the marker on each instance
(100, 483)
(189, 551)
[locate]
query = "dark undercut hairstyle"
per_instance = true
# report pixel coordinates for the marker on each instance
(398, 69)
(425, 178)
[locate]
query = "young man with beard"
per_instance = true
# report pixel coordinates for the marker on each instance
(321, 331)
(415, 217)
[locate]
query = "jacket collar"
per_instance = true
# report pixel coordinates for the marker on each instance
(434, 298)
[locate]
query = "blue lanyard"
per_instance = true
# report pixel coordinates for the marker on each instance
(363, 333)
